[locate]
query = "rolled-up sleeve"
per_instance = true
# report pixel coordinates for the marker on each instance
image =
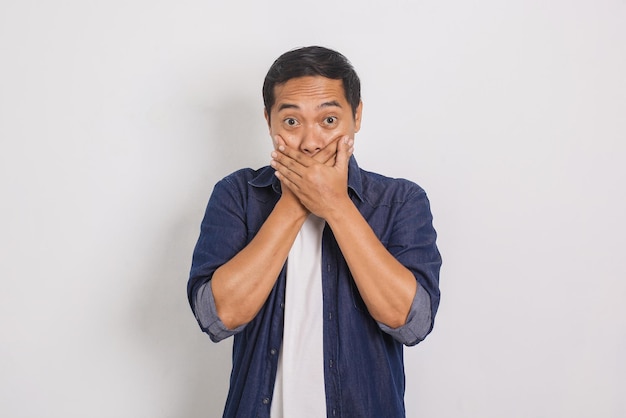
(419, 321)
(223, 234)
(207, 317)
(413, 243)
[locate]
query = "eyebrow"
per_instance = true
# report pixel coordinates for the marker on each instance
(332, 103)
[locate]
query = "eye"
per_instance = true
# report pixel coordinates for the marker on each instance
(330, 120)
(291, 122)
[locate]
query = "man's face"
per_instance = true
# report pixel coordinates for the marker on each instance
(311, 112)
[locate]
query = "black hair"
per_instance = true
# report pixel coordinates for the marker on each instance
(312, 61)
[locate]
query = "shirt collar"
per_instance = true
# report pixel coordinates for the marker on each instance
(266, 178)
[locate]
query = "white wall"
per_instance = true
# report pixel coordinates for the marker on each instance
(117, 117)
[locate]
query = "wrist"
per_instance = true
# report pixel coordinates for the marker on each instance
(340, 209)
(291, 208)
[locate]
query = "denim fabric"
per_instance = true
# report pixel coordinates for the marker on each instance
(363, 359)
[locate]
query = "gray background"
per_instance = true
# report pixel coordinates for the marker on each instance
(117, 117)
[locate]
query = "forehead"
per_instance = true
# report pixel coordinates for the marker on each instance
(313, 90)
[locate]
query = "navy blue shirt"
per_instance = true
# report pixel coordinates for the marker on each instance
(363, 359)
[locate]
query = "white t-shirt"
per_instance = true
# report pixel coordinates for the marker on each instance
(299, 389)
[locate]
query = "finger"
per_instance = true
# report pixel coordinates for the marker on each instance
(286, 166)
(295, 155)
(327, 154)
(287, 182)
(345, 148)
(281, 155)
(283, 162)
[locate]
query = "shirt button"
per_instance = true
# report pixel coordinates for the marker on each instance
(273, 351)
(266, 401)
(282, 305)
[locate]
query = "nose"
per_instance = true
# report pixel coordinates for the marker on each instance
(311, 142)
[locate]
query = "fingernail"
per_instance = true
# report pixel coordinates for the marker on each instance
(274, 155)
(281, 148)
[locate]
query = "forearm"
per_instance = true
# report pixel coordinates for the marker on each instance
(241, 286)
(386, 286)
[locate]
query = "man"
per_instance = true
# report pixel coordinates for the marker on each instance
(320, 270)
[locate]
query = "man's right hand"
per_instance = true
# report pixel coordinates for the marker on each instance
(325, 156)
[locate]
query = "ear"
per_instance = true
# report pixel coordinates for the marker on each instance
(269, 126)
(267, 118)
(357, 117)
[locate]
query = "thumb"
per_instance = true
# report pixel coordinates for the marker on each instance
(345, 149)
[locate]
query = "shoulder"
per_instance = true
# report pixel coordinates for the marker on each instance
(246, 177)
(380, 190)
(247, 183)
(243, 174)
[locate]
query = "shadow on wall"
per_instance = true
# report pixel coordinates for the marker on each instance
(193, 370)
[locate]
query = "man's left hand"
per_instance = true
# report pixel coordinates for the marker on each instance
(320, 188)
